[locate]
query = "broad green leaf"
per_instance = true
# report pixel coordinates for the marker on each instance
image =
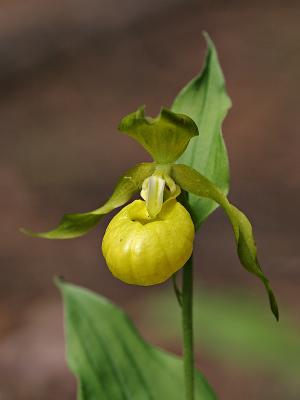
(164, 137)
(75, 225)
(205, 100)
(192, 181)
(110, 359)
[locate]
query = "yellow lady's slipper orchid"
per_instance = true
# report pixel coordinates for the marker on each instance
(146, 251)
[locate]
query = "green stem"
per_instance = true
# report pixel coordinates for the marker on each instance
(177, 291)
(187, 328)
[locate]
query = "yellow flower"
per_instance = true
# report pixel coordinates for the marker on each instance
(146, 251)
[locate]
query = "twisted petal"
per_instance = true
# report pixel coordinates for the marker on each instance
(75, 225)
(192, 181)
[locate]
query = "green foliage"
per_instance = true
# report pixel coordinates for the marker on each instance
(164, 137)
(111, 360)
(205, 100)
(74, 225)
(192, 181)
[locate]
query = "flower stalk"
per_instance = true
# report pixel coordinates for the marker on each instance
(187, 330)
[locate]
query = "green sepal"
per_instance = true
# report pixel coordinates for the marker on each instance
(164, 137)
(205, 100)
(192, 181)
(75, 225)
(110, 359)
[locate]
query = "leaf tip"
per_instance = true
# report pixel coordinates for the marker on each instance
(23, 231)
(274, 307)
(208, 39)
(59, 281)
(27, 232)
(272, 300)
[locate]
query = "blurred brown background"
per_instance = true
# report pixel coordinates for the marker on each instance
(69, 70)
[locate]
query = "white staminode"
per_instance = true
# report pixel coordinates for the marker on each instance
(153, 193)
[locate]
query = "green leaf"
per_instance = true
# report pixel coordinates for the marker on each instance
(205, 100)
(111, 360)
(192, 181)
(164, 137)
(75, 225)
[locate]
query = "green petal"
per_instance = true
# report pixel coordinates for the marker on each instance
(205, 100)
(164, 137)
(192, 181)
(75, 225)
